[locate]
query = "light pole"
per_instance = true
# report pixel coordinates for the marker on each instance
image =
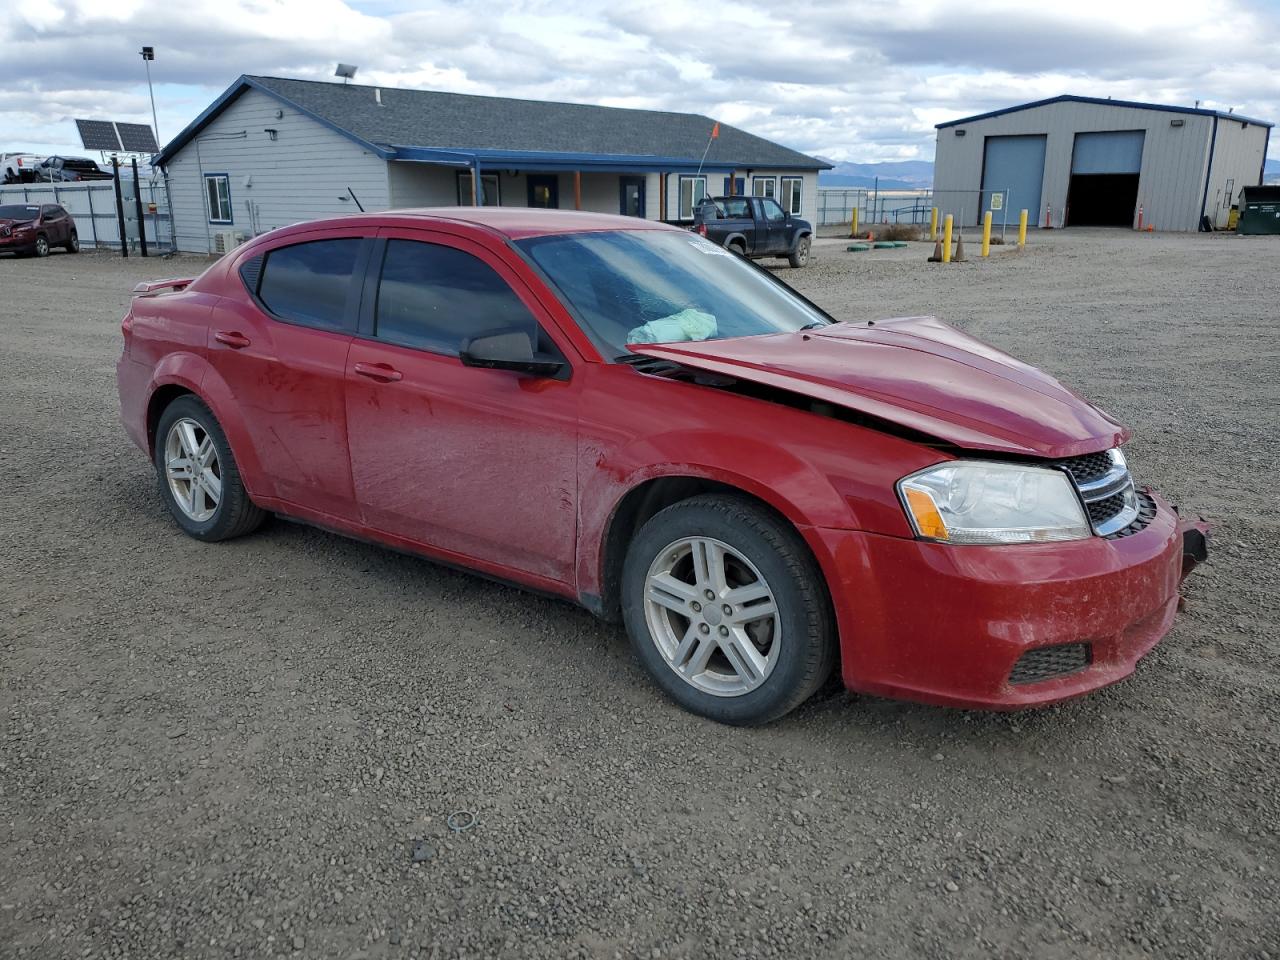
(149, 54)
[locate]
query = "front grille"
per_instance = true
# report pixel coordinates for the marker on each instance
(1045, 663)
(1104, 484)
(1146, 513)
(1090, 467)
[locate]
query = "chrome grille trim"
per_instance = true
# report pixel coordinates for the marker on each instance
(1095, 487)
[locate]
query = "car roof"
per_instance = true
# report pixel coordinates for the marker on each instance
(515, 223)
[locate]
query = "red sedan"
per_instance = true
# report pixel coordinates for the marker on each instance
(625, 414)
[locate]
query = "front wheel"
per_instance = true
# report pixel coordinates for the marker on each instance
(42, 246)
(198, 476)
(800, 255)
(726, 610)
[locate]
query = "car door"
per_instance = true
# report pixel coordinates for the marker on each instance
(53, 225)
(282, 351)
(775, 221)
(478, 463)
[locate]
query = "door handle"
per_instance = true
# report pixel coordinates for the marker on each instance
(234, 340)
(382, 372)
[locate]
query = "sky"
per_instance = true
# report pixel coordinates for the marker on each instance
(860, 81)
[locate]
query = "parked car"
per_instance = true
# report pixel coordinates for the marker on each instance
(754, 227)
(624, 414)
(19, 168)
(36, 228)
(71, 169)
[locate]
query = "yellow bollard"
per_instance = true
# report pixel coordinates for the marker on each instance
(933, 224)
(986, 233)
(1022, 229)
(946, 239)
(853, 224)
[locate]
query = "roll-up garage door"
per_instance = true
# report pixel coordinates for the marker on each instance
(1013, 171)
(1104, 178)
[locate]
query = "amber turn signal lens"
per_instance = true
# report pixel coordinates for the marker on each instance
(928, 520)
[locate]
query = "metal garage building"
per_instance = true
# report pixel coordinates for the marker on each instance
(273, 151)
(1081, 161)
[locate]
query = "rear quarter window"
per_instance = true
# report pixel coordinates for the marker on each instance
(308, 283)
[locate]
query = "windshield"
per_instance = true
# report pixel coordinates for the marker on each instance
(664, 286)
(19, 211)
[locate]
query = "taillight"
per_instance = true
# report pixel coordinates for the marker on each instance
(702, 229)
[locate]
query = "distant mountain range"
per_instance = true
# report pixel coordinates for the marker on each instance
(918, 175)
(892, 174)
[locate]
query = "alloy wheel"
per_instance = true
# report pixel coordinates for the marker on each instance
(712, 616)
(192, 469)
(42, 247)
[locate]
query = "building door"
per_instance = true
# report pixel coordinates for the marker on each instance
(1105, 168)
(631, 196)
(1013, 169)
(544, 191)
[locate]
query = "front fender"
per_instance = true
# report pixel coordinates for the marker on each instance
(793, 488)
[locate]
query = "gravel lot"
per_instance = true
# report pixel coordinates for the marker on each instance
(231, 750)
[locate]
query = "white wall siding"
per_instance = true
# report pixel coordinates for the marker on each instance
(299, 176)
(715, 188)
(1237, 162)
(1174, 159)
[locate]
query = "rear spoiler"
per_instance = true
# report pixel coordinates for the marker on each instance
(151, 288)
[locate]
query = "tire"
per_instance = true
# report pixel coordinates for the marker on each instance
(73, 243)
(231, 513)
(739, 249)
(800, 255)
(41, 249)
(795, 646)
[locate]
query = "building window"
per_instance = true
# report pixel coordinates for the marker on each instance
(764, 186)
(791, 195)
(217, 188)
(490, 195)
(692, 190)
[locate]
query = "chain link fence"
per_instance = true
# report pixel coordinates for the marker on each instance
(92, 204)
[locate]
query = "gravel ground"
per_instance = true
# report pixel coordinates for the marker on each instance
(232, 750)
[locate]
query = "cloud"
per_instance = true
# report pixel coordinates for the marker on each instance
(862, 82)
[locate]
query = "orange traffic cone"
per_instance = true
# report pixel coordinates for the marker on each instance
(960, 257)
(937, 252)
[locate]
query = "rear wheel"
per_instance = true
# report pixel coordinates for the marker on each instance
(800, 255)
(41, 248)
(198, 476)
(73, 243)
(726, 610)
(738, 248)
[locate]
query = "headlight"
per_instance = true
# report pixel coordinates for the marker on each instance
(981, 502)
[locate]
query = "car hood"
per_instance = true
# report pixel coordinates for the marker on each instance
(919, 373)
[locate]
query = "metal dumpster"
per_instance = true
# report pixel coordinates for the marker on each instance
(1259, 210)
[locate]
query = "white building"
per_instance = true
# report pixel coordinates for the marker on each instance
(1081, 161)
(271, 152)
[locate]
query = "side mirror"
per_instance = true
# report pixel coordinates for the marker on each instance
(511, 350)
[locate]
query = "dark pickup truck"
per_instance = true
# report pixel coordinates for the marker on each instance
(754, 227)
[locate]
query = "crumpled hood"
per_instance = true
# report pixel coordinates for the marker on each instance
(917, 372)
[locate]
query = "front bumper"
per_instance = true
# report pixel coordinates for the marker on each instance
(14, 244)
(946, 624)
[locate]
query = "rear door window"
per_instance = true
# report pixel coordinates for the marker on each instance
(436, 297)
(309, 283)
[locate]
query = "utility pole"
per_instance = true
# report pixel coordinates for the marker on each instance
(149, 54)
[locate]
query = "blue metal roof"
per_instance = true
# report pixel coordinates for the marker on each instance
(1069, 98)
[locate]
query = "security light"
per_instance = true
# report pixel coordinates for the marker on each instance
(148, 53)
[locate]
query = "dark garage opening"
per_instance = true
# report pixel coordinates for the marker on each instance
(1102, 199)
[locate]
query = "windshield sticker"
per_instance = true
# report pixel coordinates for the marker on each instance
(706, 246)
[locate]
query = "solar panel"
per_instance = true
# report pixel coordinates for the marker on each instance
(137, 138)
(98, 135)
